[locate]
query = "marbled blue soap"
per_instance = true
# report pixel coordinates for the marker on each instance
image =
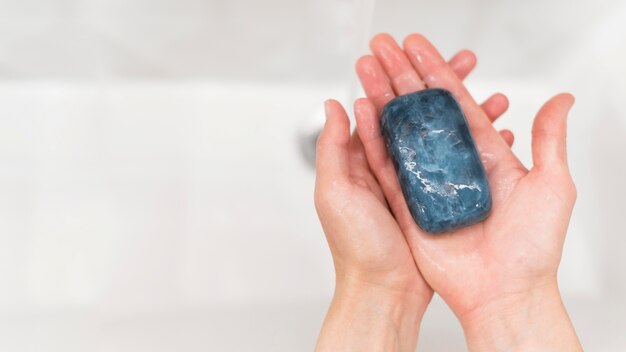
(439, 169)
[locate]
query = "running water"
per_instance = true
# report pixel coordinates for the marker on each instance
(350, 23)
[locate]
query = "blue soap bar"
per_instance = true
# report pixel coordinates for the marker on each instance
(439, 169)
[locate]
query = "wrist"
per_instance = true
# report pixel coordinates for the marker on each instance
(531, 320)
(369, 317)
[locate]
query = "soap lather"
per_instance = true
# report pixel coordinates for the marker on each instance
(440, 172)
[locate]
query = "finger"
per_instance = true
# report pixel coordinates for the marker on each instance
(358, 161)
(332, 157)
(368, 128)
(495, 106)
(375, 81)
(401, 73)
(463, 63)
(436, 73)
(360, 170)
(508, 137)
(549, 132)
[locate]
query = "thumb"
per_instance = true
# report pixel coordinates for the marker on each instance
(332, 156)
(550, 131)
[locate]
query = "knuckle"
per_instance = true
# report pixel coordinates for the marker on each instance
(319, 200)
(567, 187)
(570, 189)
(322, 197)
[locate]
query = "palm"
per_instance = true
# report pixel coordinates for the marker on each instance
(521, 240)
(507, 252)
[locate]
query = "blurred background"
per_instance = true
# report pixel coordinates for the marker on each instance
(155, 178)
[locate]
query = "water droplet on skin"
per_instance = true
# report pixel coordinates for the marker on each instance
(488, 160)
(503, 188)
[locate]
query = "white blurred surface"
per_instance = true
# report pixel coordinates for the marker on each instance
(153, 196)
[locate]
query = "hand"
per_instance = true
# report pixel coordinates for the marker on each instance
(380, 295)
(498, 276)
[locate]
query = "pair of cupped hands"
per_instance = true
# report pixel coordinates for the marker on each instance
(499, 277)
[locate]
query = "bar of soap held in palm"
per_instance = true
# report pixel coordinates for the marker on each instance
(440, 172)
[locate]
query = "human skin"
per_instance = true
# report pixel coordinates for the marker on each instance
(498, 276)
(380, 296)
